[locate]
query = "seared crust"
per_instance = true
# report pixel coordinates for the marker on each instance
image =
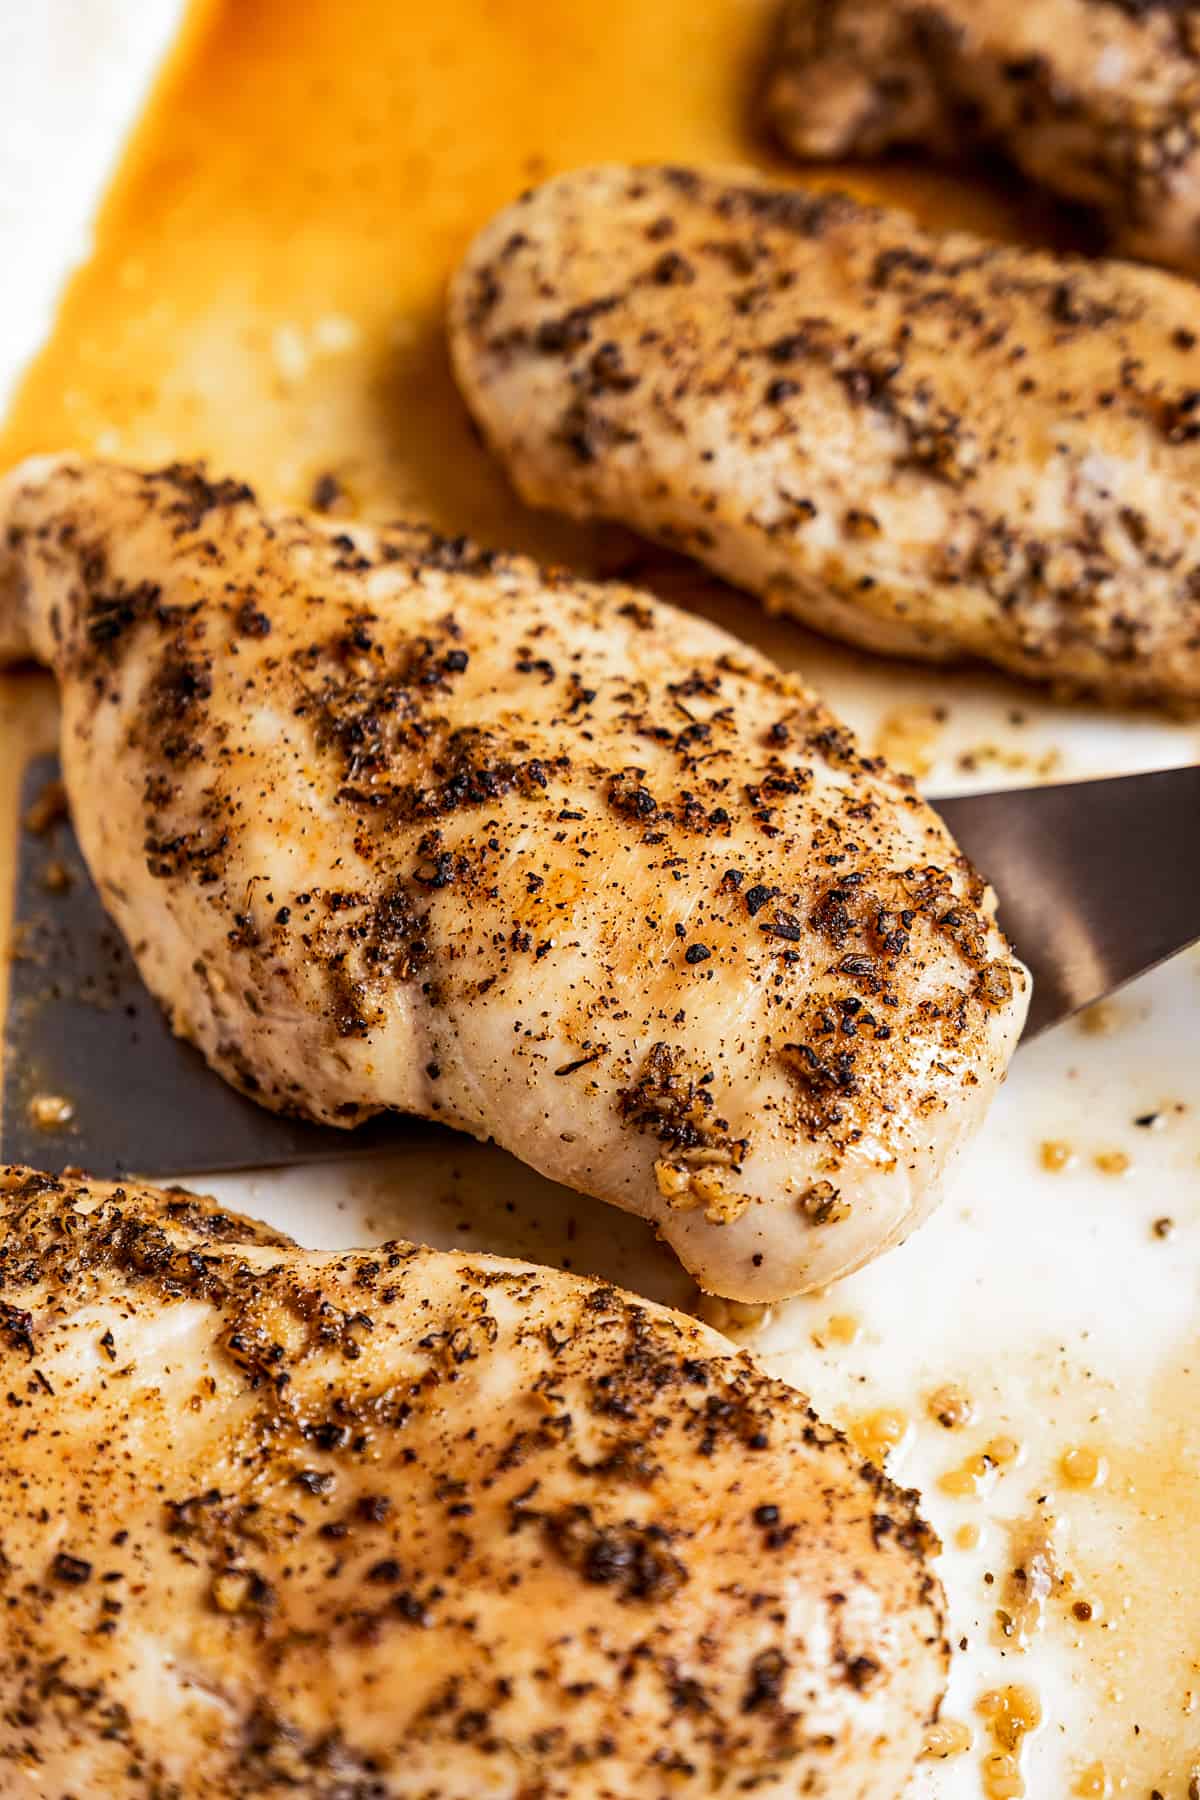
(1097, 100)
(394, 822)
(931, 446)
(403, 1523)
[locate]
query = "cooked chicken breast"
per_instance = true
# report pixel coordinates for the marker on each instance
(395, 822)
(1097, 100)
(407, 1523)
(929, 446)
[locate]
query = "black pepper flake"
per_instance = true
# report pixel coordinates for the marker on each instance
(71, 1569)
(765, 1686)
(327, 490)
(252, 621)
(634, 1559)
(783, 925)
(861, 1671)
(672, 270)
(409, 1607)
(16, 1325)
(697, 953)
(313, 1481)
(374, 1508)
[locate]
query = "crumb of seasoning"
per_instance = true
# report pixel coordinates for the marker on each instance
(1057, 1156)
(822, 1204)
(230, 1590)
(947, 1738)
(1112, 1162)
(1163, 1228)
(950, 1405)
(50, 1112)
(47, 809)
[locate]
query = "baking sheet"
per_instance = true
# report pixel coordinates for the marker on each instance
(1058, 1286)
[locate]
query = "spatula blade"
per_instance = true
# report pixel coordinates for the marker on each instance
(81, 1027)
(1098, 881)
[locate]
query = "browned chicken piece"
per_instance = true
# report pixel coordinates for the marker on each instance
(403, 1524)
(929, 446)
(392, 822)
(1096, 100)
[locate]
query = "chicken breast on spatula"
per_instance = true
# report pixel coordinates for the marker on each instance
(403, 1524)
(928, 445)
(392, 822)
(1096, 100)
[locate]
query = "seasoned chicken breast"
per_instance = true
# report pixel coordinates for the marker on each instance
(395, 822)
(929, 446)
(402, 1524)
(1096, 100)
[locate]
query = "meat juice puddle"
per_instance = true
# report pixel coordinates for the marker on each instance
(265, 290)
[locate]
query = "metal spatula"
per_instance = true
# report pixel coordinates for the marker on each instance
(1098, 881)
